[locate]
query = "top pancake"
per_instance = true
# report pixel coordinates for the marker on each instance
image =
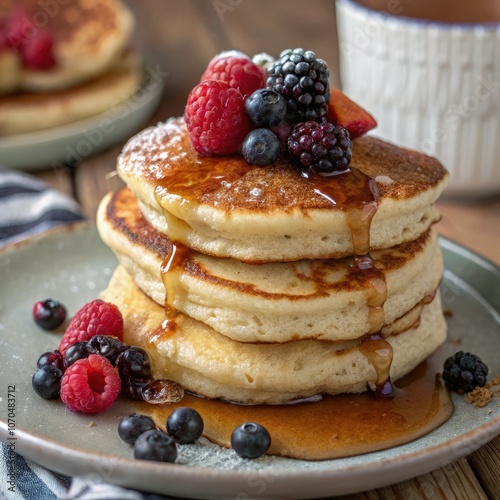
(225, 207)
(89, 38)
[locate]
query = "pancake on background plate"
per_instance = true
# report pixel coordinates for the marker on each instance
(53, 58)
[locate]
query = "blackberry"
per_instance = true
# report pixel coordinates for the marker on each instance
(302, 79)
(464, 371)
(323, 147)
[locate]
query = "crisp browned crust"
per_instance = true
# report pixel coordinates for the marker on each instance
(164, 157)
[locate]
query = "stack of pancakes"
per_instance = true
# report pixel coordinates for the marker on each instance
(95, 68)
(270, 284)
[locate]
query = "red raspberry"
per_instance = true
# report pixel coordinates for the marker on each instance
(95, 318)
(238, 70)
(216, 118)
(37, 52)
(90, 385)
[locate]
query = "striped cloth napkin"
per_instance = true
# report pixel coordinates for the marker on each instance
(29, 207)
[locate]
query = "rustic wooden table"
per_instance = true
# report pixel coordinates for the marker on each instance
(181, 37)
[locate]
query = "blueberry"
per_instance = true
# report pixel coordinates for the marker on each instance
(185, 425)
(134, 363)
(155, 445)
(261, 147)
(107, 346)
(49, 314)
(266, 108)
(132, 426)
(75, 352)
(47, 382)
(250, 440)
(51, 358)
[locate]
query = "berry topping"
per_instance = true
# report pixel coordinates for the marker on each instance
(236, 69)
(261, 147)
(37, 51)
(215, 118)
(95, 318)
(132, 426)
(324, 147)
(155, 445)
(75, 352)
(90, 385)
(185, 425)
(109, 347)
(250, 440)
(49, 314)
(464, 371)
(302, 80)
(266, 108)
(53, 358)
(47, 382)
(346, 113)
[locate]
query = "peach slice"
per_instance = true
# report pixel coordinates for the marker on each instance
(346, 113)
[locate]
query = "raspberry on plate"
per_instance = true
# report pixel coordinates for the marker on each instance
(95, 318)
(90, 385)
(216, 119)
(236, 69)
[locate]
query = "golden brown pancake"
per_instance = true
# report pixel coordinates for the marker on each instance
(272, 302)
(223, 206)
(89, 37)
(207, 363)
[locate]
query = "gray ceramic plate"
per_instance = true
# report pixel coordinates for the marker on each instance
(55, 147)
(74, 266)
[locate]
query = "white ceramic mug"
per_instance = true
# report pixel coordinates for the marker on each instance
(432, 86)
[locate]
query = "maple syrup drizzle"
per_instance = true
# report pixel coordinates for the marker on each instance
(337, 426)
(171, 270)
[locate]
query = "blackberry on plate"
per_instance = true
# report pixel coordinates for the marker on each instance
(463, 372)
(49, 314)
(261, 147)
(132, 426)
(324, 147)
(302, 79)
(185, 425)
(250, 440)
